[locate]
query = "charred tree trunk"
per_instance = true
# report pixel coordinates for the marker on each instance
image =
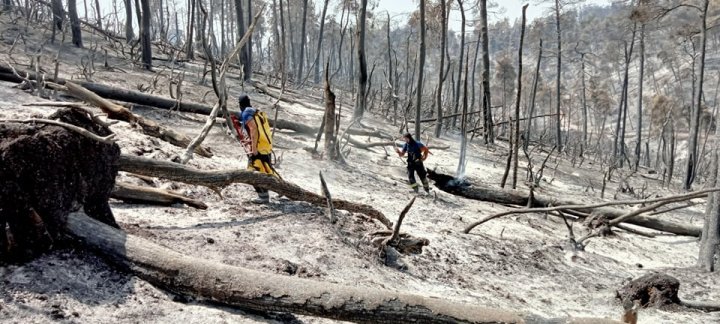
(75, 24)
(303, 39)
(190, 49)
(531, 110)
(98, 14)
(218, 179)
(163, 27)
(258, 291)
(619, 145)
(516, 143)
(421, 71)
(481, 192)
(247, 70)
(129, 35)
(361, 99)
(441, 69)
(489, 132)
(584, 142)
(249, 42)
(393, 81)
(115, 93)
(58, 18)
(331, 148)
(693, 159)
(223, 39)
(283, 46)
(148, 126)
(460, 62)
(141, 195)
(710, 239)
(145, 30)
(558, 132)
(138, 15)
(463, 122)
(640, 97)
(319, 45)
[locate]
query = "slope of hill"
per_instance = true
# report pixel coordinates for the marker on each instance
(517, 262)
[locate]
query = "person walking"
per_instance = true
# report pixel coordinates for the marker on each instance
(255, 134)
(416, 152)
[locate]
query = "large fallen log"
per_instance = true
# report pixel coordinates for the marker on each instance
(139, 98)
(218, 179)
(112, 93)
(130, 193)
(148, 126)
(514, 197)
(258, 291)
(280, 96)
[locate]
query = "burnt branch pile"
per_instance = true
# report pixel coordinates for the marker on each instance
(541, 204)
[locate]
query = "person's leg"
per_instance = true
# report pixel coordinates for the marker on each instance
(411, 177)
(422, 173)
(263, 195)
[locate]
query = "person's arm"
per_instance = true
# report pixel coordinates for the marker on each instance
(399, 152)
(252, 129)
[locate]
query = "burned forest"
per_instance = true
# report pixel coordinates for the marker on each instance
(365, 161)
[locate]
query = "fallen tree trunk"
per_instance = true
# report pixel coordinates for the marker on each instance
(427, 120)
(280, 96)
(113, 93)
(139, 98)
(130, 193)
(258, 291)
(312, 131)
(514, 197)
(218, 179)
(149, 127)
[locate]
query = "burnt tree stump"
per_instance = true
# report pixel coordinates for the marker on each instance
(652, 290)
(46, 172)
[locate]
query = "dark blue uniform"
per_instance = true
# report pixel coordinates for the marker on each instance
(414, 151)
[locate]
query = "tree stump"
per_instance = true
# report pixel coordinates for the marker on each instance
(652, 290)
(46, 172)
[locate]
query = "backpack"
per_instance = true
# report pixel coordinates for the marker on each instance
(264, 132)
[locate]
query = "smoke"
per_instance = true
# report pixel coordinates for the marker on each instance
(458, 182)
(462, 162)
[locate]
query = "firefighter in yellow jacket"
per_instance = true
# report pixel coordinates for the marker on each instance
(254, 124)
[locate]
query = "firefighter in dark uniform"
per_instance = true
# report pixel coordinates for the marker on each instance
(416, 154)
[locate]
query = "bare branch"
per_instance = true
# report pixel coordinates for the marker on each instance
(110, 139)
(660, 201)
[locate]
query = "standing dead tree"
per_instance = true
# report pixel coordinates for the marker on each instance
(515, 144)
(361, 100)
(531, 106)
(489, 132)
(329, 120)
(58, 17)
(421, 69)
